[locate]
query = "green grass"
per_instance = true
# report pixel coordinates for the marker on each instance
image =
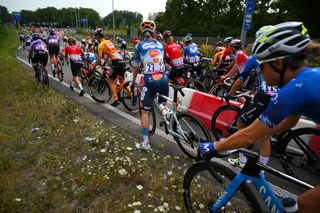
(55, 170)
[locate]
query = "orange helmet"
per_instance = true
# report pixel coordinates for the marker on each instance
(148, 26)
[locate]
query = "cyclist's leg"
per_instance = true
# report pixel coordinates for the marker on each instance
(172, 75)
(44, 60)
(310, 200)
(75, 68)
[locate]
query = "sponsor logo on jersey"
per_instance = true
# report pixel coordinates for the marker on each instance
(154, 53)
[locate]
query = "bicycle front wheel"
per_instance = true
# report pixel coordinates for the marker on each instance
(301, 158)
(222, 121)
(201, 189)
(193, 130)
(196, 85)
(99, 89)
(130, 99)
(219, 89)
(59, 72)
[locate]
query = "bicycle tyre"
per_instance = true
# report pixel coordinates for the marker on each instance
(127, 57)
(195, 134)
(296, 163)
(152, 119)
(191, 195)
(219, 112)
(45, 80)
(196, 85)
(219, 89)
(60, 72)
(127, 100)
(99, 89)
(131, 61)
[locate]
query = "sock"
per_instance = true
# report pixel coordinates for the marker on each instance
(243, 159)
(80, 86)
(52, 65)
(145, 134)
(263, 160)
(72, 83)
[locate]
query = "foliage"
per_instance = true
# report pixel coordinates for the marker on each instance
(4, 15)
(123, 19)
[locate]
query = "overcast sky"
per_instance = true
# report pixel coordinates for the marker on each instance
(103, 7)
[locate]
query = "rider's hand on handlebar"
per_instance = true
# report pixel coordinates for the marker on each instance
(207, 150)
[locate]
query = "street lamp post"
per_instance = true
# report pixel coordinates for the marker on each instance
(113, 25)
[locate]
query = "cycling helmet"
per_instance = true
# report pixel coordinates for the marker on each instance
(52, 32)
(147, 26)
(287, 37)
(219, 43)
(227, 40)
(71, 40)
(166, 34)
(187, 39)
(99, 32)
(236, 43)
(262, 30)
(35, 36)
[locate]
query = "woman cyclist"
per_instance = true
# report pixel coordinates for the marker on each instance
(283, 51)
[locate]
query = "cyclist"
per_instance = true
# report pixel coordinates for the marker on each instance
(172, 55)
(150, 53)
(38, 53)
(22, 38)
(227, 56)
(83, 44)
(255, 108)
(123, 45)
(191, 54)
(53, 42)
(282, 52)
(218, 52)
(240, 59)
(73, 54)
(107, 48)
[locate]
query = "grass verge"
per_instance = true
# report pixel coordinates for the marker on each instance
(55, 170)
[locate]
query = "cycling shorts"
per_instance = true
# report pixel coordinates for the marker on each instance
(174, 72)
(118, 70)
(40, 56)
(251, 112)
(123, 47)
(54, 49)
(75, 67)
(153, 84)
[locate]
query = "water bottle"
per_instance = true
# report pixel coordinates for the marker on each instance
(290, 205)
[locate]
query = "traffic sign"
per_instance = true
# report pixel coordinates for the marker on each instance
(17, 16)
(83, 21)
(250, 7)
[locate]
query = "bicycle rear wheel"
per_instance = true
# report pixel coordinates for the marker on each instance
(302, 159)
(99, 89)
(130, 101)
(45, 80)
(59, 72)
(222, 121)
(194, 131)
(219, 89)
(196, 85)
(201, 189)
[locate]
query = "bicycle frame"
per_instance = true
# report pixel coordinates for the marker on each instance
(252, 172)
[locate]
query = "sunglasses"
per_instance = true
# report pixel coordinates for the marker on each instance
(260, 62)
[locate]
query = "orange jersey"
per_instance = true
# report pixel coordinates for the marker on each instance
(106, 47)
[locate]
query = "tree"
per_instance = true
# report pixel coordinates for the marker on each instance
(127, 17)
(5, 15)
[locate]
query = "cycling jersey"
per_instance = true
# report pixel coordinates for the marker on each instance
(150, 53)
(217, 57)
(106, 47)
(241, 59)
(137, 41)
(53, 39)
(300, 96)
(38, 45)
(173, 53)
(191, 54)
(75, 53)
(227, 53)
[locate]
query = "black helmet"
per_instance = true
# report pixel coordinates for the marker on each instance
(71, 40)
(99, 32)
(52, 32)
(35, 36)
(166, 34)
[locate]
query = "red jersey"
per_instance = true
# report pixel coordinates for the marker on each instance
(241, 59)
(172, 51)
(75, 53)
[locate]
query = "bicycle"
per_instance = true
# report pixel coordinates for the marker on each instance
(295, 155)
(211, 186)
(186, 129)
(100, 91)
(58, 69)
(42, 77)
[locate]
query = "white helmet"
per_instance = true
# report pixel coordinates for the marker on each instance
(288, 37)
(262, 30)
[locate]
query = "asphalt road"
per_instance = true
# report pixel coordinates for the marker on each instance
(131, 123)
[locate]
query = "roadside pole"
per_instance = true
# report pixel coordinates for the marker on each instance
(247, 20)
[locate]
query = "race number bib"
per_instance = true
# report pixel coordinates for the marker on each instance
(178, 62)
(153, 67)
(53, 40)
(75, 58)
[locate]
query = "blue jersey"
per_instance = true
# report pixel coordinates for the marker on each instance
(91, 56)
(150, 53)
(300, 96)
(191, 53)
